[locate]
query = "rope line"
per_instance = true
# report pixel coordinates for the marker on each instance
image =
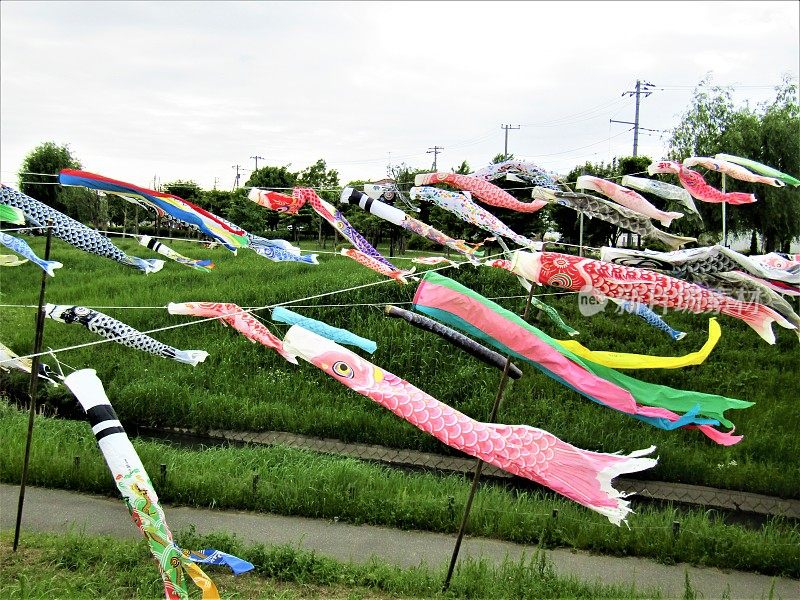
(310, 250)
(340, 188)
(216, 318)
(346, 305)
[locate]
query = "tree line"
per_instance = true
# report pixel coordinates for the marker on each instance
(768, 133)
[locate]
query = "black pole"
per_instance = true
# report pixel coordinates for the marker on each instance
(479, 465)
(37, 348)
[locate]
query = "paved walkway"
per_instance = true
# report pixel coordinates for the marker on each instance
(58, 510)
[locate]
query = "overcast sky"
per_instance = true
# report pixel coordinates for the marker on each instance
(187, 90)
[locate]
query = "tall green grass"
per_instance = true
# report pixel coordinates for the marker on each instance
(72, 565)
(244, 386)
(294, 482)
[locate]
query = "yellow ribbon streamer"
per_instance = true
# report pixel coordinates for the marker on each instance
(622, 360)
(201, 580)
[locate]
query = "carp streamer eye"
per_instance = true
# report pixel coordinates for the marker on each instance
(342, 369)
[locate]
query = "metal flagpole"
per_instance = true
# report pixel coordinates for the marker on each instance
(479, 466)
(724, 225)
(37, 348)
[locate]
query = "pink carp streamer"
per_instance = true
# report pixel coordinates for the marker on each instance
(627, 198)
(377, 266)
(235, 316)
(697, 186)
(640, 285)
(483, 190)
(776, 261)
(731, 169)
(535, 454)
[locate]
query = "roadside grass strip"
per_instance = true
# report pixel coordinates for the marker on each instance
(73, 565)
(302, 483)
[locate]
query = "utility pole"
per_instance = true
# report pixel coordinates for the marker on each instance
(435, 151)
(505, 146)
(256, 159)
(643, 88)
(236, 181)
(216, 179)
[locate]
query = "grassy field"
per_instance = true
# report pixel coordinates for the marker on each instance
(248, 387)
(76, 566)
(295, 482)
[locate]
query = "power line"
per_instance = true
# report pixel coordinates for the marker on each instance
(579, 147)
(579, 117)
(256, 158)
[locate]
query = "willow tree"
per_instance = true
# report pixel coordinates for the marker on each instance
(769, 134)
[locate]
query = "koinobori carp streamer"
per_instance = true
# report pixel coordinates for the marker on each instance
(663, 190)
(73, 232)
(610, 212)
(731, 170)
(760, 168)
(526, 171)
(460, 205)
(21, 247)
(164, 250)
(278, 250)
(235, 316)
(140, 496)
(372, 263)
(9, 260)
(119, 332)
(685, 264)
(610, 280)
(482, 189)
(696, 185)
(535, 454)
(649, 317)
(12, 215)
(626, 197)
(10, 359)
(398, 217)
(163, 203)
(458, 306)
(471, 347)
(336, 334)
